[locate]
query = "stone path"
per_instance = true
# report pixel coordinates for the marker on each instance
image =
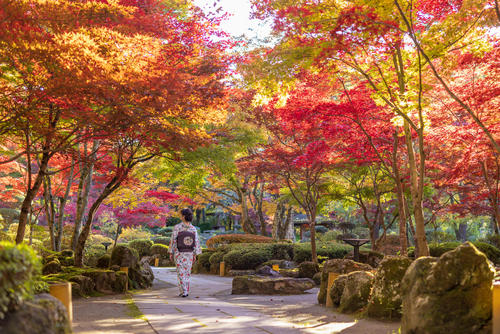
(210, 308)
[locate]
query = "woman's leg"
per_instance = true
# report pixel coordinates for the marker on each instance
(184, 263)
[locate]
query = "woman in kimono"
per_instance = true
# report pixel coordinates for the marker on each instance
(184, 246)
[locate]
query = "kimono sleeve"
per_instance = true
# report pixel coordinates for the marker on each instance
(173, 241)
(197, 245)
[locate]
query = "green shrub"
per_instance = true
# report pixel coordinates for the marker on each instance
(18, 265)
(246, 259)
(280, 251)
(103, 261)
(330, 250)
(204, 260)
(216, 258)
(142, 246)
(94, 249)
(162, 240)
(328, 236)
(493, 239)
(160, 250)
(492, 252)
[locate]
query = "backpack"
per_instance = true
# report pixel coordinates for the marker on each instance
(186, 241)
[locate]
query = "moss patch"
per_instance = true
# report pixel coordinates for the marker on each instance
(132, 309)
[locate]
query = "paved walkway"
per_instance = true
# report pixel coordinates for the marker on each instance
(210, 308)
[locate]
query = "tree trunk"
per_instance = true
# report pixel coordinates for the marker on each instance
(30, 195)
(84, 186)
(312, 229)
(82, 238)
(245, 222)
(416, 196)
(403, 239)
(62, 205)
(117, 234)
(49, 214)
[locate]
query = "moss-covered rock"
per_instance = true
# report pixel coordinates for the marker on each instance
(339, 266)
(103, 261)
(67, 261)
(43, 315)
(124, 256)
(141, 276)
(108, 281)
(270, 285)
(451, 294)
(290, 272)
(356, 291)
(66, 253)
(83, 285)
(385, 300)
(308, 269)
(52, 267)
(316, 278)
(337, 289)
(369, 257)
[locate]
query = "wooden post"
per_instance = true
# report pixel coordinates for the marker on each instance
(331, 278)
(157, 262)
(125, 269)
(496, 308)
(276, 267)
(222, 269)
(62, 291)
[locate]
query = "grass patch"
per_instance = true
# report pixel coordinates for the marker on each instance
(132, 309)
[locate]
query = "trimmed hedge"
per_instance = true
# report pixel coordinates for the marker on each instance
(330, 250)
(243, 259)
(160, 250)
(225, 239)
(18, 266)
(204, 260)
(142, 246)
(162, 240)
(437, 250)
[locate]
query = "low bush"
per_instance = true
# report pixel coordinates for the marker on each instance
(216, 258)
(329, 236)
(18, 266)
(204, 260)
(330, 250)
(243, 259)
(103, 261)
(281, 251)
(225, 239)
(160, 250)
(94, 249)
(161, 240)
(128, 234)
(142, 246)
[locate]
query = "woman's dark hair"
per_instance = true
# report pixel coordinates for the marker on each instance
(188, 214)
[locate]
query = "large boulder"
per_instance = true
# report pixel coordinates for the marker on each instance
(339, 266)
(338, 289)
(450, 294)
(267, 271)
(81, 285)
(235, 272)
(53, 267)
(290, 272)
(108, 281)
(357, 287)
(308, 269)
(43, 315)
(255, 285)
(317, 278)
(369, 257)
(140, 273)
(124, 256)
(385, 300)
